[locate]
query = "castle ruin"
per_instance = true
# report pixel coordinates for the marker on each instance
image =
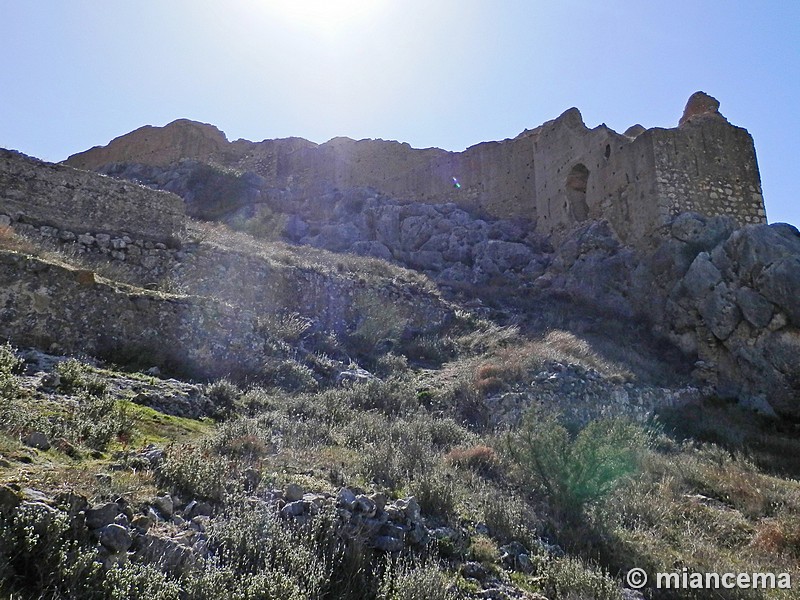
(556, 175)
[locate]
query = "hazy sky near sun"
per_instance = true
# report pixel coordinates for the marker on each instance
(445, 73)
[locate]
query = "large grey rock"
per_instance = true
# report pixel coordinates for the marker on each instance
(780, 284)
(337, 238)
(754, 248)
(102, 515)
(387, 226)
(293, 492)
(702, 277)
(168, 554)
(756, 309)
(38, 440)
(426, 260)
(700, 232)
(293, 509)
(387, 544)
(371, 248)
(415, 231)
(720, 312)
(504, 255)
(116, 538)
(9, 499)
(164, 505)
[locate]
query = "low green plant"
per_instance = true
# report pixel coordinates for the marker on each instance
(194, 471)
(576, 469)
(407, 581)
(436, 491)
(98, 420)
(223, 395)
(76, 376)
(9, 386)
(40, 556)
(568, 578)
(483, 549)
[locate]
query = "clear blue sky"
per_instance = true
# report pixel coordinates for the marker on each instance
(446, 73)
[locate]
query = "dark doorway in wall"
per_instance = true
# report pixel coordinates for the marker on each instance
(576, 192)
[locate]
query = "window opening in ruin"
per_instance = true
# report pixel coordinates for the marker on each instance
(576, 192)
(608, 150)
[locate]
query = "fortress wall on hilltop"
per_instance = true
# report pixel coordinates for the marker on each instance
(557, 175)
(39, 193)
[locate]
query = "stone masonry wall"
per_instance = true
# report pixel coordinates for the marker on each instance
(62, 309)
(708, 167)
(557, 175)
(39, 193)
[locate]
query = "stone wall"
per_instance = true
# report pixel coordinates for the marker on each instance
(557, 175)
(65, 310)
(39, 193)
(707, 166)
(143, 261)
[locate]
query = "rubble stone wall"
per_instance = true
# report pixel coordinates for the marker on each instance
(39, 193)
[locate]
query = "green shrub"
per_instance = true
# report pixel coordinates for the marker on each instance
(481, 459)
(283, 559)
(243, 439)
(507, 516)
(140, 582)
(9, 387)
(98, 420)
(223, 395)
(289, 375)
(9, 362)
(194, 471)
(39, 556)
(406, 581)
(406, 452)
(435, 491)
(76, 376)
(390, 364)
(483, 549)
(569, 578)
(576, 470)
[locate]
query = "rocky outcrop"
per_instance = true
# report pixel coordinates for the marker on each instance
(158, 145)
(700, 104)
(730, 297)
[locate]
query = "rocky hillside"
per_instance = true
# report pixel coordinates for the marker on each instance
(217, 387)
(723, 294)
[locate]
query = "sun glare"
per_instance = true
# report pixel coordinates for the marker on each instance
(324, 15)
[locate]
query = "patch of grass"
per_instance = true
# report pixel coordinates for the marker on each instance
(153, 427)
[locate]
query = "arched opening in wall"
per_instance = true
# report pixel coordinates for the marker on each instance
(576, 192)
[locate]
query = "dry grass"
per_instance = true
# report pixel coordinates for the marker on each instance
(11, 240)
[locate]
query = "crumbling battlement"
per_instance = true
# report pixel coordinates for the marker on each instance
(557, 175)
(43, 194)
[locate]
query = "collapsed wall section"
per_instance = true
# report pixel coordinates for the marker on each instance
(39, 193)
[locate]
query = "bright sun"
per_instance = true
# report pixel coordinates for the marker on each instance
(324, 15)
